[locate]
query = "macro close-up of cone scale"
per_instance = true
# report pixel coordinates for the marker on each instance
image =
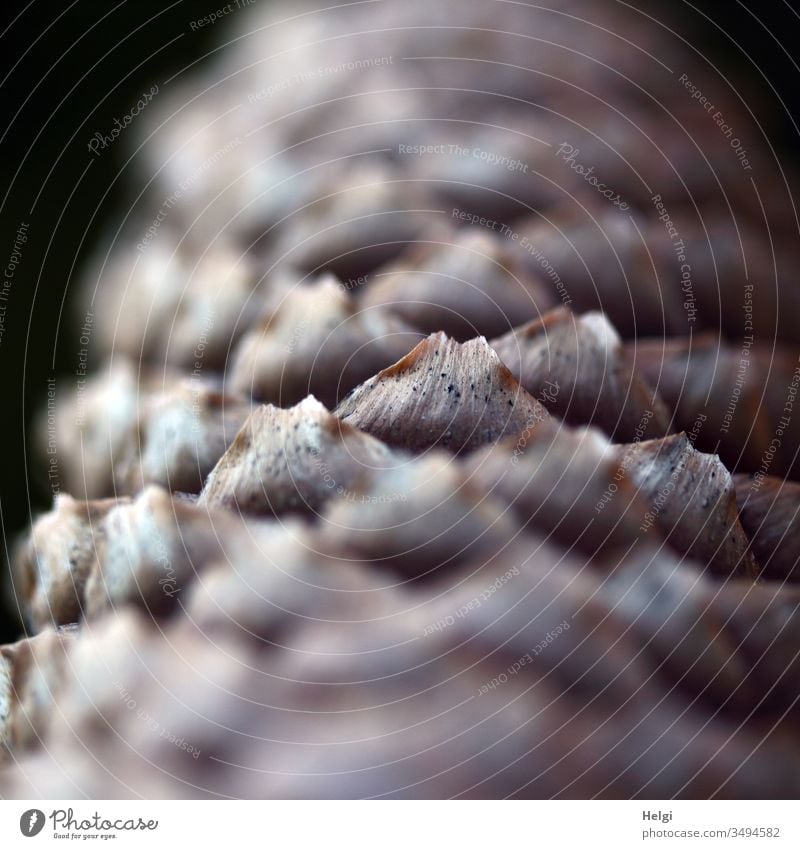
(425, 423)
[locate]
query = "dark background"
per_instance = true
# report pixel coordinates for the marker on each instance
(63, 63)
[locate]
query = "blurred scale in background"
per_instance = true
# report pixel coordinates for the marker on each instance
(69, 70)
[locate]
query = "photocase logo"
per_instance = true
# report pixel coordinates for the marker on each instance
(31, 822)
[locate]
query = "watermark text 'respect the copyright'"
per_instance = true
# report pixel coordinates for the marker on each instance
(487, 156)
(223, 11)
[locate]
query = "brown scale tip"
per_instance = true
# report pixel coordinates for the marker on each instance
(583, 356)
(692, 500)
(564, 482)
(740, 401)
(443, 393)
(293, 461)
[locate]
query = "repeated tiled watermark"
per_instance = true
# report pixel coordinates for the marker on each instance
(719, 119)
(547, 395)
(183, 187)
(81, 371)
(321, 73)
(520, 240)
(212, 17)
(570, 155)
(456, 150)
(101, 141)
(9, 273)
(748, 339)
(679, 249)
(53, 477)
(525, 660)
(153, 724)
(473, 604)
(627, 461)
(780, 429)
(663, 495)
